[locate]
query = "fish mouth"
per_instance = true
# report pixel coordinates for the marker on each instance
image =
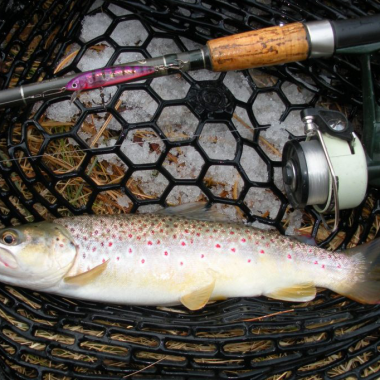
(7, 259)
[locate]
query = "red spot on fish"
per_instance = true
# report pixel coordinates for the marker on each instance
(166, 253)
(85, 238)
(152, 232)
(243, 240)
(61, 245)
(233, 249)
(130, 250)
(161, 230)
(202, 256)
(218, 246)
(289, 256)
(339, 266)
(183, 243)
(130, 236)
(103, 261)
(142, 261)
(93, 249)
(72, 229)
(267, 245)
(232, 233)
(181, 263)
(257, 242)
(108, 230)
(262, 237)
(249, 260)
(323, 266)
(113, 236)
(174, 236)
(96, 232)
(84, 255)
(207, 230)
(158, 242)
(262, 251)
(118, 258)
(110, 244)
(215, 231)
(272, 240)
(198, 234)
(175, 225)
(186, 231)
(191, 241)
(138, 238)
(150, 243)
(316, 262)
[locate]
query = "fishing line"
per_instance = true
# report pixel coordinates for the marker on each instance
(129, 143)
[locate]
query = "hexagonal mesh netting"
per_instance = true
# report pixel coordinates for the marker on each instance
(138, 147)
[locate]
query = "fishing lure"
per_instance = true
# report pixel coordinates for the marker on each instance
(106, 77)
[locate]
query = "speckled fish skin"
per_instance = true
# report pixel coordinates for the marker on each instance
(108, 77)
(154, 259)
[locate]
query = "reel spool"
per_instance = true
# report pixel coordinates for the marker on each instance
(329, 169)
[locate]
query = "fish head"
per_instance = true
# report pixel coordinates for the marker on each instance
(36, 255)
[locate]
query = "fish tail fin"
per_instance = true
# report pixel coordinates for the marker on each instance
(363, 281)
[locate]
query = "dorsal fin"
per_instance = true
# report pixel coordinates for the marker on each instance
(195, 210)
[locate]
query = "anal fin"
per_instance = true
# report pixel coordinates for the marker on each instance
(198, 298)
(88, 276)
(297, 293)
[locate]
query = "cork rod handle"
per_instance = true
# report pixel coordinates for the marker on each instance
(264, 47)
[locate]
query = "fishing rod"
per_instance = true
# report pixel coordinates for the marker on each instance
(265, 47)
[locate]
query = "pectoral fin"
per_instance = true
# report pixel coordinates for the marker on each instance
(199, 297)
(298, 293)
(88, 276)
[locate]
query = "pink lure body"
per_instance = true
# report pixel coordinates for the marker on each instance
(108, 77)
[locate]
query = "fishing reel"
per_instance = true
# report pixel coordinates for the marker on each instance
(329, 169)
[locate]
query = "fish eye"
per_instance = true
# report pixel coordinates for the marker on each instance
(9, 238)
(74, 85)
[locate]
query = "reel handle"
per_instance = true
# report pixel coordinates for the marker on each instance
(291, 42)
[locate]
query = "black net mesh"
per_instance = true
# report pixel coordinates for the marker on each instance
(53, 166)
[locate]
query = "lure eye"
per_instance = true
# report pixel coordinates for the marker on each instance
(74, 85)
(9, 238)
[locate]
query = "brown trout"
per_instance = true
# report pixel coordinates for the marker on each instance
(172, 258)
